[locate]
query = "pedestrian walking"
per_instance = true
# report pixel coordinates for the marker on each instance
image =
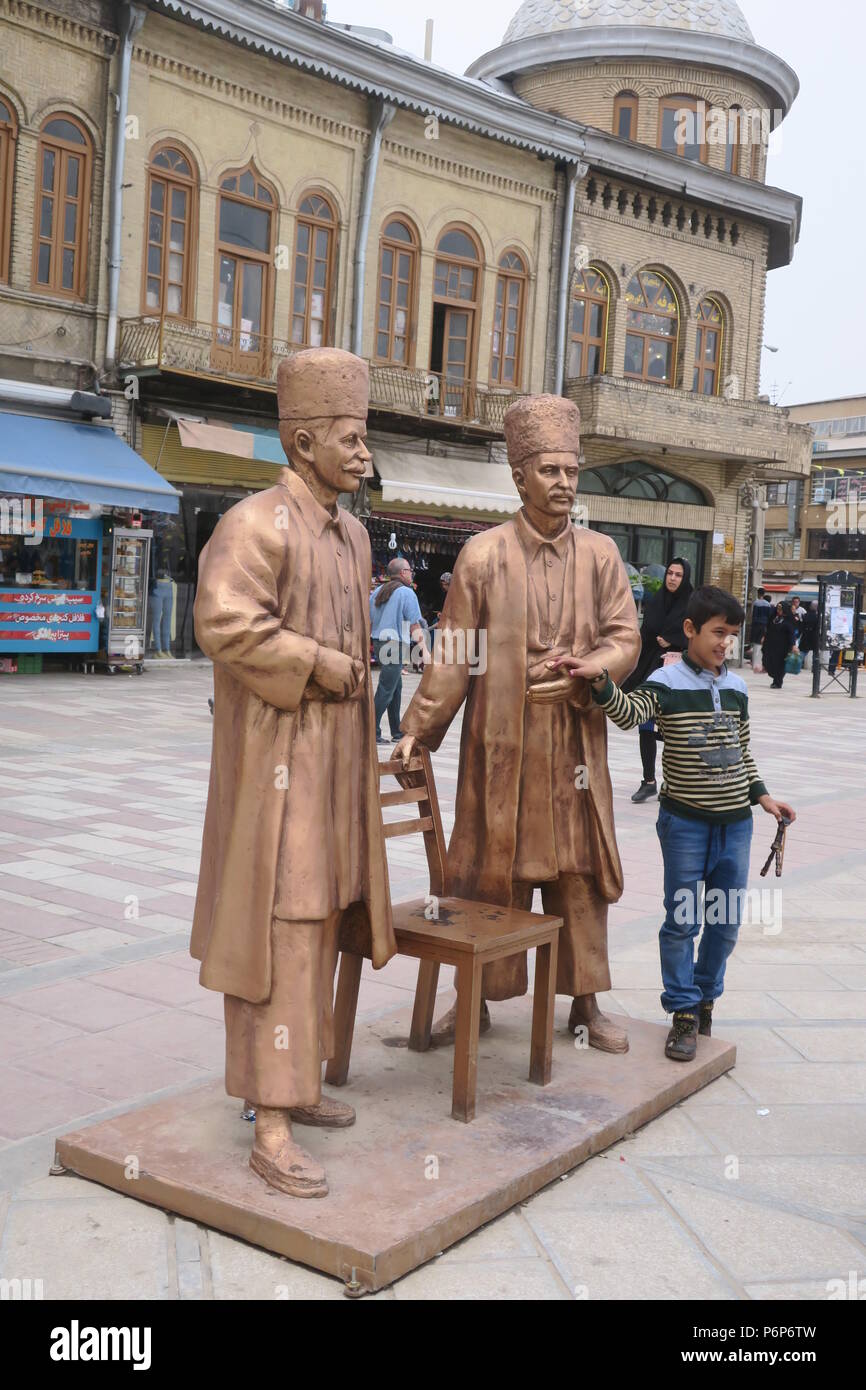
(780, 639)
(395, 618)
(809, 635)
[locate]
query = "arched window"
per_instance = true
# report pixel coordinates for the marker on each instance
(640, 480)
(507, 340)
(589, 311)
(171, 195)
(456, 279)
(314, 266)
(708, 348)
(62, 207)
(8, 136)
(682, 127)
(652, 328)
(735, 137)
(245, 254)
(398, 279)
(625, 116)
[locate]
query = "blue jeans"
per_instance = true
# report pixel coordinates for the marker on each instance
(389, 691)
(699, 857)
(160, 603)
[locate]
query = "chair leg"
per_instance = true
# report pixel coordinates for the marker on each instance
(466, 1041)
(425, 1001)
(345, 1007)
(543, 1003)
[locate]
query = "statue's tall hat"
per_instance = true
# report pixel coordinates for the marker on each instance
(321, 384)
(541, 425)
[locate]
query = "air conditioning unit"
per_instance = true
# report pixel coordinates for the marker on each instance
(821, 494)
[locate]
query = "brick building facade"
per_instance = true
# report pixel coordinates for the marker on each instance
(341, 141)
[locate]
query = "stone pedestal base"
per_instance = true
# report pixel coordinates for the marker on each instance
(406, 1180)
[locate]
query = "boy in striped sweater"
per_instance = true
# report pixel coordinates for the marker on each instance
(705, 816)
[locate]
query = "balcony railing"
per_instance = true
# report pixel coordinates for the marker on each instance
(205, 350)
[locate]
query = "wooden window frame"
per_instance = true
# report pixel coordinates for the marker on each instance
(505, 277)
(584, 337)
(314, 224)
(681, 103)
(674, 339)
(622, 102)
(230, 249)
(704, 326)
(62, 150)
(413, 248)
(8, 144)
(171, 179)
(472, 305)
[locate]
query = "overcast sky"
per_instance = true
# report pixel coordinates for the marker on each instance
(816, 308)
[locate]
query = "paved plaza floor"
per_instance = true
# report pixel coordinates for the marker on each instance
(755, 1188)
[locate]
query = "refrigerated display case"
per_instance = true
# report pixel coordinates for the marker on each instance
(127, 610)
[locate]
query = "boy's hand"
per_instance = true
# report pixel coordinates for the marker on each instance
(586, 666)
(778, 808)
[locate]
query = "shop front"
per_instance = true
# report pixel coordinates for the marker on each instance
(50, 576)
(67, 490)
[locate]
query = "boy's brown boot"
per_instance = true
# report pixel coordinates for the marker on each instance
(682, 1041)
(706, 1026)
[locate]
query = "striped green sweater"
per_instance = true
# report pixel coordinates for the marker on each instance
(707, 768)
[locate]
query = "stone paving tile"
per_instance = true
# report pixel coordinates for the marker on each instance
(643, 1254)
(183, 1036)
(85, 1004)
(22, 1032)
(101, 1249)
(827, 1044)
(833, 1187)
(514, 1280)
(787, 1129)
(757, 1243)
(31, 1104)
(821, 1004)
(109, 1067)
(151, 980)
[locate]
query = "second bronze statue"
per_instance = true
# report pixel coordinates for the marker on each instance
(534, 803)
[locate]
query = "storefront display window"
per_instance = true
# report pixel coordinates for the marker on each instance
(58, 562)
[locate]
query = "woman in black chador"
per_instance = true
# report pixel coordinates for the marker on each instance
(780, 637)
(661, 632)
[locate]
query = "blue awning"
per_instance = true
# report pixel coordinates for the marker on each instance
(82, 463)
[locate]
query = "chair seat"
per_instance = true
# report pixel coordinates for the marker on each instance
(468, 928)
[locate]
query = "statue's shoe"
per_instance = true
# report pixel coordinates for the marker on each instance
(444, 1031)
(291, 1170)
(603, 1032)
(328, 1114)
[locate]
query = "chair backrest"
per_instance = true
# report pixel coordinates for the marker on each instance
(417, 787)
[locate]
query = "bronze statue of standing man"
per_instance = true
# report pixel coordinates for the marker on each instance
(293, 833)
(534, 804)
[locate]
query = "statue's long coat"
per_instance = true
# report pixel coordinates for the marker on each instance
(488, 594)
(261, 610)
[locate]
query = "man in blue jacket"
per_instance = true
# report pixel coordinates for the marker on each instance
(395, 619)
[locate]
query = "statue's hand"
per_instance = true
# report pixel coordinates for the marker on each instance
(540, 670)
(551, 692)
(405, 748)
(337, 673)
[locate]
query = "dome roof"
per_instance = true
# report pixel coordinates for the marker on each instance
(723, 18)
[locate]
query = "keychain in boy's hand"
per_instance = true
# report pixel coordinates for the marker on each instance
(777, 850)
